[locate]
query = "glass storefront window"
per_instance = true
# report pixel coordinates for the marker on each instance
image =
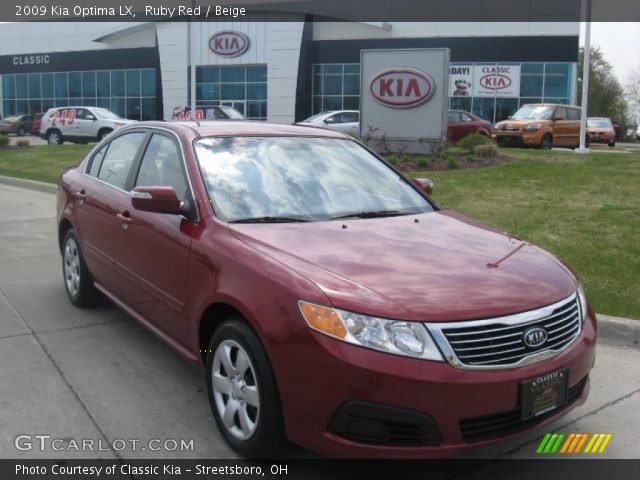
(243, 87)
(35, 88)
(133, 83)
(531, 85)
(336, 86)
(37, 92)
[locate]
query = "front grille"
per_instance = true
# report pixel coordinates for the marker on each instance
(509, 129)
(493, 426)
(500, 342)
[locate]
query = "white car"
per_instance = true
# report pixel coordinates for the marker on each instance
(79, 124)
(345, 121)
(638, 133)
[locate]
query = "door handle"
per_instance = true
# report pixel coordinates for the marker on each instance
(81, 195)
(124, 217)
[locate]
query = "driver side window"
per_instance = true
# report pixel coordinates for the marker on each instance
(162, 166)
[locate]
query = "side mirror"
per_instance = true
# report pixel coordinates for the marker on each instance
(558, 117)
(156, 200)
(424, 184)
(509, 117)
(329, 120)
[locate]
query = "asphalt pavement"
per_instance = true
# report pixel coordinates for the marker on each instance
(96, 374)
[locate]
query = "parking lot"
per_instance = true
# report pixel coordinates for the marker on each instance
(96, 374)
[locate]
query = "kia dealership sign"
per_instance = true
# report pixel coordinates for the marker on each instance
(229, 44)
(404, 98)
(491, 80)
(402, 87)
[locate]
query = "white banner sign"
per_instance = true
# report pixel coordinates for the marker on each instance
(484, 80)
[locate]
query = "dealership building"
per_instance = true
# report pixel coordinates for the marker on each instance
(282, 71)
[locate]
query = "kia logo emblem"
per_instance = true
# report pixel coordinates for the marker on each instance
(402, 87)
(495, 81)
(534, 337)
(229, 44)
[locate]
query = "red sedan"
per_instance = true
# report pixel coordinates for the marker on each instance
(460, 124)
(601, 130)
(330, 301)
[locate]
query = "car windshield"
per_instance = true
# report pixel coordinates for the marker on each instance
(316, 116)
(106, 114)
(599, 122)
(301, 179)
(533, 112)
(232, 113)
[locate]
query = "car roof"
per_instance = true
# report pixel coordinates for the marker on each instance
(226, 128)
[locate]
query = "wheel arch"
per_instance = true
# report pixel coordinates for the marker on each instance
(63, 227)
(212, 317)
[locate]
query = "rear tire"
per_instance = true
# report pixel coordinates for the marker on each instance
(547, 142)
(244, 397)
(21, 132)
(612, 144)
(102, 134)
(77, 280)
(54, 137)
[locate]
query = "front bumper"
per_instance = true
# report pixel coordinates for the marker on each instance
(519, 138)
(335, 374)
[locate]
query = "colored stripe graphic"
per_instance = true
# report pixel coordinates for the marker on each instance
(573, 443)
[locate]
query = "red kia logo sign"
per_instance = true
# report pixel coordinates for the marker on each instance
(229, 44)
(402, 87)
(495, 81)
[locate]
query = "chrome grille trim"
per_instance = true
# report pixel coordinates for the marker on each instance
(497, 342)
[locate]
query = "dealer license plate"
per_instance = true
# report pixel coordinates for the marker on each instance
(544, 393)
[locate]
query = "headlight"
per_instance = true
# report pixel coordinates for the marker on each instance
(533, 127)
(583, 302)
(410, 339)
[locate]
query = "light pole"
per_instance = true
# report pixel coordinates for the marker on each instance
(192, 48)
(586, 62)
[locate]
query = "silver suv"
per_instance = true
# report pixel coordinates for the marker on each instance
(79, 124)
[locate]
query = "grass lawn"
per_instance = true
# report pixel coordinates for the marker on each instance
(583, 208)
(43, 163)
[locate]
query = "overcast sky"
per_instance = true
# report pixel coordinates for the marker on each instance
(620, 43)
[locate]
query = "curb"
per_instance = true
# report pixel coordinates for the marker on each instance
(611, 330)
(618, 331)
(30, 184)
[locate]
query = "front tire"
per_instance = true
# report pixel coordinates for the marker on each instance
(21, 132)
(77, 279)
(547, 142)
(242, 391)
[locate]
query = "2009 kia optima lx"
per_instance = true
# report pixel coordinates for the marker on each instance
(331, 301)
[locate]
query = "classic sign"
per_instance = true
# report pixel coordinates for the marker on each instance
(402, 87)
(229, 44)
(495, 81)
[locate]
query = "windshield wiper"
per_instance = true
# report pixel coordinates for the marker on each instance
(372, 214)
(269, 220)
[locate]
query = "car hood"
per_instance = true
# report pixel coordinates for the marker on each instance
(599, 130)
(431, 267)
(519, 123)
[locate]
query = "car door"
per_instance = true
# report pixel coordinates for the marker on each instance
(152, 259)
(573, 126)
(99, 200)
(468, 124)
(84, 124)
(454, 130)
(561, 127)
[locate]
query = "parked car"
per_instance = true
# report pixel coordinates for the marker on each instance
(79, 124)
(220, 112)
(20, 124)
(541, 125)
(37, 121)
(601, 130)
(460, 124)
(345, 121)
(327, 296)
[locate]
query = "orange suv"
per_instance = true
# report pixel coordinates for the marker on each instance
(543, 125)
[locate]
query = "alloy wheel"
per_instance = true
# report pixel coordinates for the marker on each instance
(235, 390)
(72, 267)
